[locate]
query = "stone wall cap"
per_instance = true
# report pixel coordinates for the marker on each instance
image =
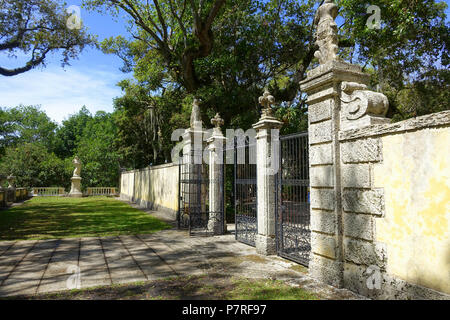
(334, 66)
(423, 122)
(335, 70)
(159, 166)
(268, 122)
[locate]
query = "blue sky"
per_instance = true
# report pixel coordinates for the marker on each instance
(91, 80)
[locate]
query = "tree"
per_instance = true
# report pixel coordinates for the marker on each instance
(68, 135)
(144, 122)
(408, 56)
(34, 166)
(97, 152)
(271, 43)
(37, 28)
(25, 124)
(180, 32)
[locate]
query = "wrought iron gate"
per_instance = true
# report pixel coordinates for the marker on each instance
(194, 210)
(293, 210)
(245, 195)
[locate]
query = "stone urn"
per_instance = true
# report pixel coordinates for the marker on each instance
(75, 189)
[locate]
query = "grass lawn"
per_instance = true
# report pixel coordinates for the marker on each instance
(204, 287)
(62, 217)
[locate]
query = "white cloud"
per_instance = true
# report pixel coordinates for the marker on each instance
(62, 92)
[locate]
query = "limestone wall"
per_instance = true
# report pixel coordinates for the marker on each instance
(396, 203)
(155, 188)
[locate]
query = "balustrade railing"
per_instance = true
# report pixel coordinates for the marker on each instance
(47, 191)
(101, 191)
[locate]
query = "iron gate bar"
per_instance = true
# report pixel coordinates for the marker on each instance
(292, 209)
(193, 209)
(245, 194)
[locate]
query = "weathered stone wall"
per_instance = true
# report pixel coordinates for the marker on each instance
(155, 188)
(379, 191)
(396, 202)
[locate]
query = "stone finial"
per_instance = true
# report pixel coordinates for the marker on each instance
(266, 100)
(196, 120)
(326, 32)
(217, 121)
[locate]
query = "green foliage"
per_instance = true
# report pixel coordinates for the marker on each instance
(25, 124)
(34, 166)
(40, 154)
(408, 55)
(145, 124)
(97, 152)
(67, 136)
(37, 28)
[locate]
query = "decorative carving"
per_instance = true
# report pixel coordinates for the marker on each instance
(266, 100)
(11, 179)
(75, 189)
(358, 102)
(196, 120)
(217, 122)
(326, 32)
(77, 170)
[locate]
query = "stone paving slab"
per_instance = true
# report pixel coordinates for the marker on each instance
(95, 277)
(5, 245)
(30, 267)
(11, 258)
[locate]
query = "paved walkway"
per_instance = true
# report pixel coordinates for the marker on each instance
(31, 267)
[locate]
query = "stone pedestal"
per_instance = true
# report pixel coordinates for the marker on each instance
(267, 167)
(75, 189)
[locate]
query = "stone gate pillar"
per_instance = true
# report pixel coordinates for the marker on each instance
(337, 100)
(217, 221)
(267, 159)
(192, 161)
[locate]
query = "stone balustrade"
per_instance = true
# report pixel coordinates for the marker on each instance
(101, 191)
(47, 191)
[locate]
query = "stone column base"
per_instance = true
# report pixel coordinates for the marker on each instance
(265, 245)
(326, 270)
(214, 224)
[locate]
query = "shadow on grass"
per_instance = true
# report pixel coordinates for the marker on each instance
(204, 287)
(55, 217)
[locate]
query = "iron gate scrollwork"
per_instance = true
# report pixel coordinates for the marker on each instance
(293, 209)
(245, 192)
